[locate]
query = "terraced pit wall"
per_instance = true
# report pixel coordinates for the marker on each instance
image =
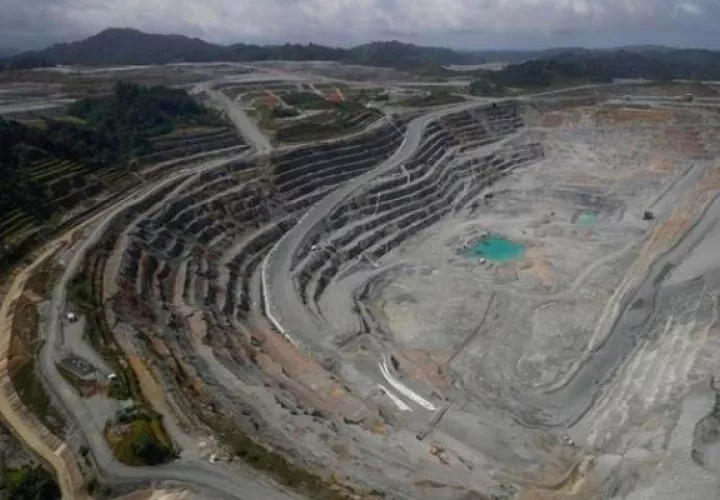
(188, 268)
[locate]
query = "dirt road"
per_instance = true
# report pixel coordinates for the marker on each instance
(14, 414)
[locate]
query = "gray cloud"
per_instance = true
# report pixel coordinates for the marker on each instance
(465, 23)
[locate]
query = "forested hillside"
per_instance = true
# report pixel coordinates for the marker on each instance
(49, 168)
(598, 67)
(538, 74)
(651, 63)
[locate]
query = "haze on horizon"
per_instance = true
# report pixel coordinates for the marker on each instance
(464, 24)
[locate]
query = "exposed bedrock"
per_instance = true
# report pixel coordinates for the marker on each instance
(332, 301)
(411, 197)
(192, 261)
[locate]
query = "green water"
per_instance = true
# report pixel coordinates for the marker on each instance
(497, 248)
(586, 218)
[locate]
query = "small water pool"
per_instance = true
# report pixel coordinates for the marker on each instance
(496, 248)
(586, 218)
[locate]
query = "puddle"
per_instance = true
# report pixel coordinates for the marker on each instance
(496, 248)
(586, 218)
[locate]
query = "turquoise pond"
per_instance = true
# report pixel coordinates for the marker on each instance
(496, 248)
(586, 218)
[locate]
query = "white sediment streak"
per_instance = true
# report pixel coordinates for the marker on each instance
(398, 402)
(268, 304)
(404, 390)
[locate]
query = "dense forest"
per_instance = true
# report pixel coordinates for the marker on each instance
(109, 131)
(653, 63)
(29, 483)
(130, 116)
(537, 75)
(598, 67)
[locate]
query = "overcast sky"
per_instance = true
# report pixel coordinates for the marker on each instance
(481, 24)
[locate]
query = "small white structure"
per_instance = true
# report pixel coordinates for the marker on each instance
(112, 377)
(71, 317)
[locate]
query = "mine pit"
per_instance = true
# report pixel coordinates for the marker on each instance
(466, 279)
(468, 299)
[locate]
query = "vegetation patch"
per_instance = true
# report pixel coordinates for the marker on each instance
(40, 283)
(284, 112)
(49, 169)
(436, 98)
(29, 483)
(345, 118)
(133, 114)
(307, 100)
(23, 370)
(83, 293)
(86, 388)
(535, 74)
(140, 439)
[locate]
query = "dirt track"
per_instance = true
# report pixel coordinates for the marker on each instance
(23, 424)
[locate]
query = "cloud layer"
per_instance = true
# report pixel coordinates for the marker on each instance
(480, 23)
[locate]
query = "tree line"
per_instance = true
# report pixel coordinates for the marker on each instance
(103, 132)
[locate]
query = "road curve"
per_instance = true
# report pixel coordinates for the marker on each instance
(283, 305)
(236, 484)
(31, 432)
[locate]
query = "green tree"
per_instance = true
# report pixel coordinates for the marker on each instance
(31, 483)
(151, 452)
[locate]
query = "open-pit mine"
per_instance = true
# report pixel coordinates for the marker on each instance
(492, 299)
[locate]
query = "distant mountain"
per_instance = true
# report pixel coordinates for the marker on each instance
(127, 46)
(394, 53)
(130, 46)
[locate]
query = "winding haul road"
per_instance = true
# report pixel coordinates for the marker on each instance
(236, 484)
(283, 305)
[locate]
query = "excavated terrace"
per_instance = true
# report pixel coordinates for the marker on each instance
(407, 364)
